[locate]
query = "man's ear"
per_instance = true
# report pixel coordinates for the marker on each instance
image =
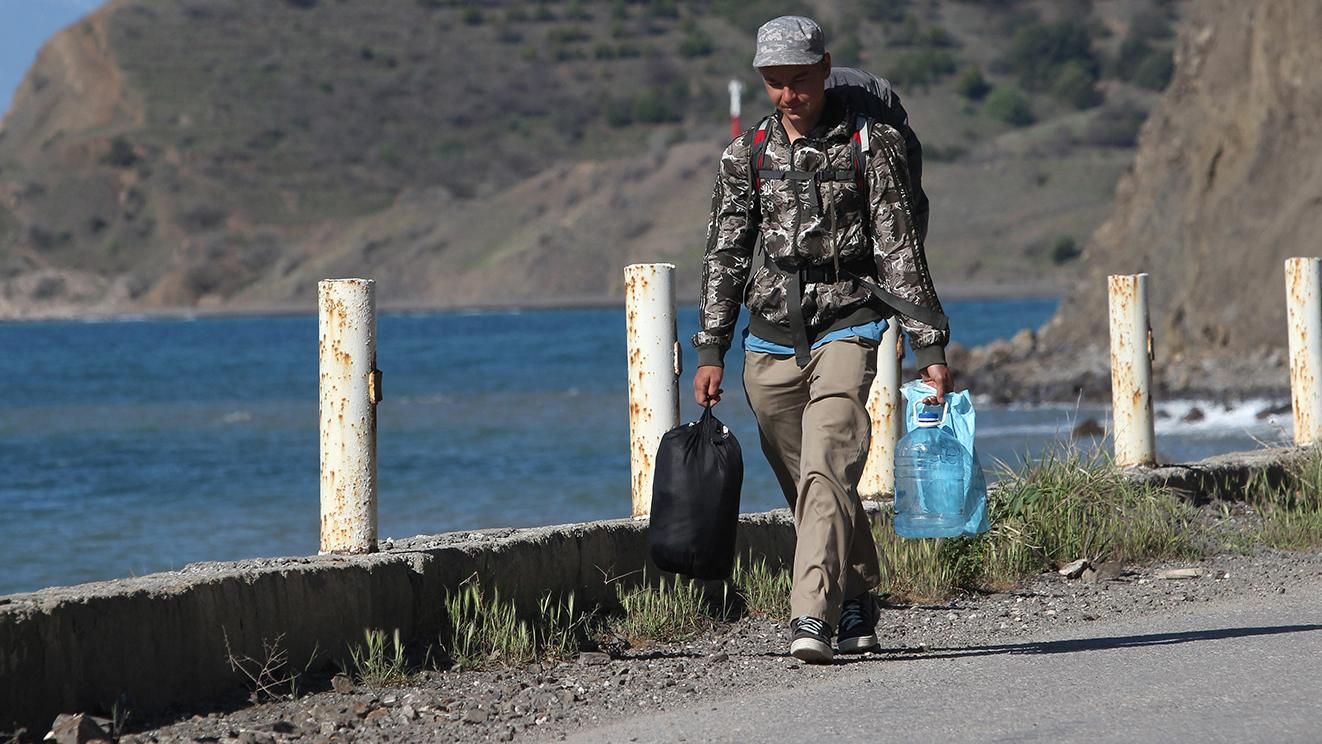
(826, 61)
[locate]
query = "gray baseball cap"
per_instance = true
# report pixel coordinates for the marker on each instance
(789, 40)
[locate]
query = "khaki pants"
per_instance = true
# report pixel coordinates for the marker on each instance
(814, 427)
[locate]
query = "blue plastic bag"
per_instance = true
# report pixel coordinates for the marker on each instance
(960, 422)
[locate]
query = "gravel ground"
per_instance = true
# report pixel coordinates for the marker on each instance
(551, 701)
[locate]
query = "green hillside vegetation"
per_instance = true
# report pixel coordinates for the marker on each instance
(240, 129)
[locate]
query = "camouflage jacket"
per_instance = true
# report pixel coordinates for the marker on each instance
(795, 230)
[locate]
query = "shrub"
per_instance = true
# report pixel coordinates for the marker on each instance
(1156, 70)
(654, 108)
(885, 11)
(1038, 52)
(1064, 250)
(619, 112)
(1076, 86)
(1115, 126)
(1151, 23)
(1133, 50)
(972, 85)
(921, 68)
(696, 44)
(847, 52)
(1010, 106)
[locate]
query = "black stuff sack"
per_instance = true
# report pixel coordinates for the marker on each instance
(695, 499)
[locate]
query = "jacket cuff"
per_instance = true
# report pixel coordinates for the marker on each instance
(711, 355)
(929, 355)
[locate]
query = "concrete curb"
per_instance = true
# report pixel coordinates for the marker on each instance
(160, 640)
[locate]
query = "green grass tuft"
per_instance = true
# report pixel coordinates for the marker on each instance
(374, 664)
(488, 631)
(764, 588)
(672, 610)
(1291, 511)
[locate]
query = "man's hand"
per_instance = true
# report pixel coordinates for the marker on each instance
(707, 385)
(939, 377)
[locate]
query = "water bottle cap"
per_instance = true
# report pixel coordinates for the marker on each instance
(929, 418)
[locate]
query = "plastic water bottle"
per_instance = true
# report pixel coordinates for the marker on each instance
(930, 480)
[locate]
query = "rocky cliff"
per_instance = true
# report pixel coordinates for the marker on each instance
(1226, 184)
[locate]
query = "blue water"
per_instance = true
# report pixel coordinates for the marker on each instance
(132, 447)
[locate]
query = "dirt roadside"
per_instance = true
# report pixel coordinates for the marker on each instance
(552, 701)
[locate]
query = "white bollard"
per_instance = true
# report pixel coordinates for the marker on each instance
(654, 367)
(350, 390)
(878, 481)
(1303, 294)
(1131, 370)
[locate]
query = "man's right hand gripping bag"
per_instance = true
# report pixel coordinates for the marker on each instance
(695, 499)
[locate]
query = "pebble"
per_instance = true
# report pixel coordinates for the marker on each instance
(342, 684)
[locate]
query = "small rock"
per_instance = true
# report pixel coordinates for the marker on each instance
(1179, 573)
(594, 658)
(1194, 414)
(409, 712)
(389, 700)
(342, 684)
(1089, 428)
(75, 728)
(1073, 569)
(361, 709)
(506, 735)
(475, 715)
(1280, 410)
(718, 657)
(377, 714)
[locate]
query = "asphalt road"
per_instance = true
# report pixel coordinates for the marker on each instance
(1247, 669)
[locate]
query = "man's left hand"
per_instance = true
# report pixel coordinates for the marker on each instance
(941, 379)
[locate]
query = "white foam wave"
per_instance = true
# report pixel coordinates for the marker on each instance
(1202, 417)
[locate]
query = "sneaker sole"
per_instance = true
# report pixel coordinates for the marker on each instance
(811, 651)
(858, 645)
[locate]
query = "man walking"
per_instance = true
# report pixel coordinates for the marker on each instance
(827, 190)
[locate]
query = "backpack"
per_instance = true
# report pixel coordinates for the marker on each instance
(867, 98)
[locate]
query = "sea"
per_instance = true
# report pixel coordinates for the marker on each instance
(135, 445)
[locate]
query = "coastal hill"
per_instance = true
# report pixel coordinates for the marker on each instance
(1225, 186)
(166, 154)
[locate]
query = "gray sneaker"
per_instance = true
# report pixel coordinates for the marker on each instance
(812, 640)
(858, 625)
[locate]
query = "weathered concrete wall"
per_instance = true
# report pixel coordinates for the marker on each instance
(160, 639)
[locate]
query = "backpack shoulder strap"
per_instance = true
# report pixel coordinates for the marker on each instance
(755, 140)
(862, 130)
(860, 138)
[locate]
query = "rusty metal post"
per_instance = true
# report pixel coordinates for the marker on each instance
(1131, 370)
(1303, 294)
(350, 390)
(878, 481)
(654, 367)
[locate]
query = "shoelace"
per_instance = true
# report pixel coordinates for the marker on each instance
(812, 625)
(851, 614)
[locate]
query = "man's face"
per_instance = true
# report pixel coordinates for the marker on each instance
(798, 91)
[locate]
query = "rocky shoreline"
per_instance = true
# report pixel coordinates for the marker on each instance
(1024, 369)
(552, 701)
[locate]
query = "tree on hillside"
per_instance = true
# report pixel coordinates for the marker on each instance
(1039, 51)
